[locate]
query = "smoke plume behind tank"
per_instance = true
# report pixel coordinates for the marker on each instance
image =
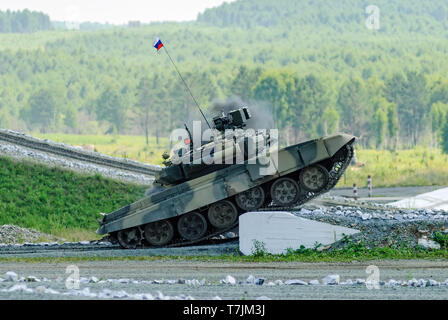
(261, 116)
(260, 111)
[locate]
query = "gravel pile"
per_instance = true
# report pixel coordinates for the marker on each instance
(10, 234)
(22, 153)
(381, 225)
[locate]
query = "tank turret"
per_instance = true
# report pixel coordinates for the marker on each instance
(228, 144)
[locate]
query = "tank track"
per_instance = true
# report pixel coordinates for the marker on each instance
(341, 162)
(340, 165)
(60, 149)
(183, 243)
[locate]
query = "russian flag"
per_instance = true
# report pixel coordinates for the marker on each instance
(158, 44)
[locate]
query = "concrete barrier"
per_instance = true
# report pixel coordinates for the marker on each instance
(437, 199)
(276, 232)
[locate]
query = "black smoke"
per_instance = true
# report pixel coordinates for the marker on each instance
(261, 112)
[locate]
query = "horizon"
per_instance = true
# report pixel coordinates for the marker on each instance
(113, 11)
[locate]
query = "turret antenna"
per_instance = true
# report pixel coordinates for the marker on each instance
(158, 45)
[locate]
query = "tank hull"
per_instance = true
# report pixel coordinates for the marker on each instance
(198, 194)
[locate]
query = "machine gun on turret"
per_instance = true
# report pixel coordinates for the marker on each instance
(236, 119)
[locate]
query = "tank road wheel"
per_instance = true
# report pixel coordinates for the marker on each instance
(314, 178)
(251, 199)
(192, 226)
(159, 233)
(129, 238)
(285, 192)
(222, 214)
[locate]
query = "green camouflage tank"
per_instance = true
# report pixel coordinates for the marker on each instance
(194, 200)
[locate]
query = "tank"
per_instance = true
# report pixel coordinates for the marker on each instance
(238, 171)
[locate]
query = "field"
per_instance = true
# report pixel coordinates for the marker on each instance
(414, 167)
(131, 147)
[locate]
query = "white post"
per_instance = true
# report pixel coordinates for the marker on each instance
(369, 185)
(355, 191)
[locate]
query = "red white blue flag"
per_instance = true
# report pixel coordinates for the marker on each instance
(158, 44)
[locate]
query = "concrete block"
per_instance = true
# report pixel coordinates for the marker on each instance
(278, 231)
(437, 199)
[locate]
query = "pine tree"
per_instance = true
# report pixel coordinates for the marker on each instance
(445, 136)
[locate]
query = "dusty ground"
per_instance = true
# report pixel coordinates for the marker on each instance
(213, 272)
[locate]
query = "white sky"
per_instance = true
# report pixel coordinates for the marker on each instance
(115, 11)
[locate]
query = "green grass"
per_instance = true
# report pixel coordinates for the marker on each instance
(415, 167)
(59, 202)
(131, 147)
(349, 254)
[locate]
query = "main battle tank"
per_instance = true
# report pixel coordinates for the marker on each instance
(193, 200)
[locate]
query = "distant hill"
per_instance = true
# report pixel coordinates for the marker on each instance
(25, 21)
(425, 16)
(314, 63)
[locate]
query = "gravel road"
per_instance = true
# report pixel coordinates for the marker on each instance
(160, 279)
(108, 250)
(383, 192)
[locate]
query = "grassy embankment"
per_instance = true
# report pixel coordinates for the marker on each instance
(58, 202)
(414, 167)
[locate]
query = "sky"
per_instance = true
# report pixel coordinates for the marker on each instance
(114, 11)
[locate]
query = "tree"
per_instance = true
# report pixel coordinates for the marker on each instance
(330, 120)
(380, 127)
(271, 88)
(445, 136)
(312, 100)
(438, 113)
(392, 125)
(144, 105)
(111, 107)
(409, 93)
(352, 101)
(244, 81)
(439, 91)
(71, 118)
(24, 21)
(41, 110)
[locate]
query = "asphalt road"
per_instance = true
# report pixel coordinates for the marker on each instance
(383, 192)
(213, 272)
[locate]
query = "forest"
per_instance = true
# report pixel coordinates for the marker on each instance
(25, 21)
(309, 68)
